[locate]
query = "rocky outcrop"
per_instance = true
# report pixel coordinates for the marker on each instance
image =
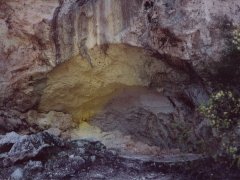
(26, 51)
(74, 56)
(56, 123)
(186, 30)
(11, 120)
(16, 148)
(82, 90)
(44, 156)
(37, 35)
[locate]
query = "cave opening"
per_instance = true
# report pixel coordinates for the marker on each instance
(124, 98)
(83, 89)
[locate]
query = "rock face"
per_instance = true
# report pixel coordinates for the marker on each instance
(143, 121)
(75, 56)
(16, 148)
(179, 29)
(38, 35)
(26, 50)
(12, 120)
(83, 90)
(53, 119)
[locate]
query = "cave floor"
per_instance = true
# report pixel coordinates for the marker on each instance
(119, 126)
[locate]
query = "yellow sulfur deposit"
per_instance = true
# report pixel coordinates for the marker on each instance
(82, 89)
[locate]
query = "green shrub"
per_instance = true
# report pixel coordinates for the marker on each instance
(223, 111)
(236, 38)
(223, 107)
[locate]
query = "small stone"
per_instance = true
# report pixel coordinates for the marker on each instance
(7, 141)
(32, 130)
(27, 146)
(113, 152)
(79, 159)
(53, 119)
(81, 150)
(34, 165)
(93, 158)
(151, 176)
(97, 176)
(54, 131)
(17, 174)
(71, 156)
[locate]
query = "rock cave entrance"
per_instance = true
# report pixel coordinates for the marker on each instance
(117, 98)
(83, 89)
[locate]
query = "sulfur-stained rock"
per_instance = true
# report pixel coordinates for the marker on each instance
(83, 91)
(134, 69)
(148, 117)
(180, 29)
(53, 119)
(37, 35)
(75, 56)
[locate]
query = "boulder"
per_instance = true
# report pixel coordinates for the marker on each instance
(25, 147)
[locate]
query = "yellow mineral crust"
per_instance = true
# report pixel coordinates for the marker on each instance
(83, 88)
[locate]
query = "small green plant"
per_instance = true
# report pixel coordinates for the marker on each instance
(223, 107)
(236, 38)
(223, 110)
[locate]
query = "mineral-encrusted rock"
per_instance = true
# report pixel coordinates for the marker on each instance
(73, 55)
(51, 119)
(186, 30)
(38, 35)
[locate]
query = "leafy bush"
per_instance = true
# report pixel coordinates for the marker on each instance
(236, 38)
(223, 111)
(223, 108)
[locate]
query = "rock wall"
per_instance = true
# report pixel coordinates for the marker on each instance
(27, 51)
(188, 30)
(36, 35)
(73, 55)
(82, 88)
